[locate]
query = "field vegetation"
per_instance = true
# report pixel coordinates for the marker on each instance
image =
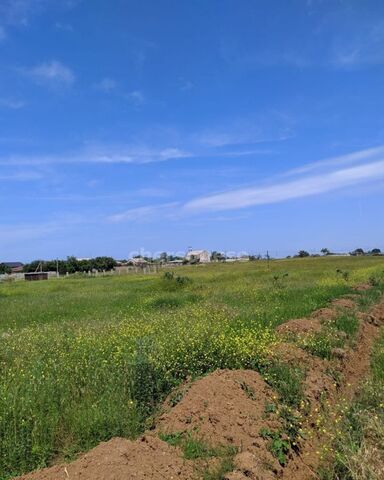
(85, 359)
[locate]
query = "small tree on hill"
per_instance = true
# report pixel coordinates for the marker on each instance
(303, 253)
(325, 251)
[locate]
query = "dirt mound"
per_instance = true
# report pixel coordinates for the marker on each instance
(363, 287)
(248, 466)
(344, 303)
(300, 326)
(121, 459)
(226, 408)
(324, 314)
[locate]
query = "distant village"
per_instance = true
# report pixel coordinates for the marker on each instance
(43, 270)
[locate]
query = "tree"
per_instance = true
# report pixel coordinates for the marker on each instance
(4, 269)
(325, 251)
(375, 251)
(303, 254)
(358, 251)
(163, 257)
(217, 257)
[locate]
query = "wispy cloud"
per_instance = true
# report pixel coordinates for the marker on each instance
(359, 47)
(64, 27)
(354, 157)
(106, 85)
(270, 126)
(136, 98)
(11, 233)
(24, 176)
(12, 103)
(53, 73)
(284, 191)
(185, 85)
(145, 213)
(17, 12)
(101, 154)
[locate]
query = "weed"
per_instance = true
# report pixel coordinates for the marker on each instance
(173, 439)
(344, 274)
(321, 344)
(286, 380)
(347, 323)
(278, 446)
(226, 465)
(249, 391)
(193, 448)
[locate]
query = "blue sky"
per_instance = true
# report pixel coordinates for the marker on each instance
(234, 125)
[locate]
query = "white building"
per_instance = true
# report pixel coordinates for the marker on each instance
(201, 256)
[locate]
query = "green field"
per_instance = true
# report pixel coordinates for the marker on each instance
(85, 359)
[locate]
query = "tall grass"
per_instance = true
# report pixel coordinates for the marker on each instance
(84, 360)
(359, 446)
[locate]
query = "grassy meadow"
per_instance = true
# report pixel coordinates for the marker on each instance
(85, 359)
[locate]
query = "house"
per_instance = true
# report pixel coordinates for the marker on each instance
(16, 267)
(138, 261)
(198, 256)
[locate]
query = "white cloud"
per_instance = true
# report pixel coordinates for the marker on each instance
(354, 157)
(186, 85)
(136, 98)
(145, 213)
(284, 191)
(24, 176)
(101, 154)
(51, 73)
(64, 27)
(106, 85)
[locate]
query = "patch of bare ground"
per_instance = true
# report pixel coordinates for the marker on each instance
(121, 459)
(228, 408)
(299, 326)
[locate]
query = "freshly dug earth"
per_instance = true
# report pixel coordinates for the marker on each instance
(121, 459)
(227, 408)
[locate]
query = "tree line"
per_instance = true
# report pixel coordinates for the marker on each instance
(72, 265)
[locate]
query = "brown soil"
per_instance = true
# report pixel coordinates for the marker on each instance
(300, 326)
(324, 314)
(121, 459)
(227, 408)
(344, 303)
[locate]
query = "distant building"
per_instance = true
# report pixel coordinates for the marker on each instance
(16, 267)
(198, 256)
(138, 261)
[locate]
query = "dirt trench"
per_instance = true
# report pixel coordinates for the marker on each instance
(227, 408)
